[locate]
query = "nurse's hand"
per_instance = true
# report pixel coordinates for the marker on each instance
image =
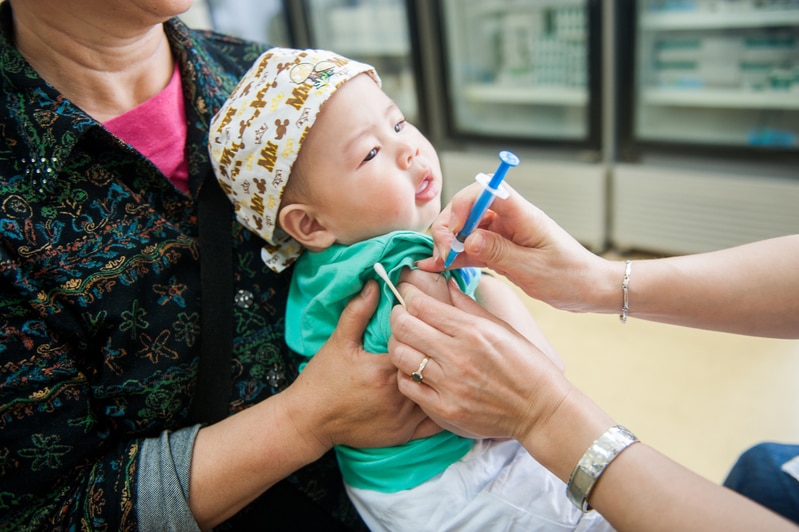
(518, 240)
(483, 378)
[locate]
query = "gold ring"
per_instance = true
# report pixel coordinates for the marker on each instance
(416, 376)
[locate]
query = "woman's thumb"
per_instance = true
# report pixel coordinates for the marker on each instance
(492, 249)
(356, 315)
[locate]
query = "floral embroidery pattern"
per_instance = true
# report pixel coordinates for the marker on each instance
(46, 452)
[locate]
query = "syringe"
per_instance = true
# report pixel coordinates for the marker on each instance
(491, 187)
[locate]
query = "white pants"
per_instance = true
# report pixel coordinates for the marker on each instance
(496, 486)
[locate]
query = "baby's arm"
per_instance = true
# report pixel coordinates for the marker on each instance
(432, 284)
(495, 296)
(499, 298)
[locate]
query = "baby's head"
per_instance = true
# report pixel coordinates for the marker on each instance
(312, 152)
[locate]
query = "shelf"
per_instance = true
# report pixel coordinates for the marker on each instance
(699, 20)
(492, 93)
(685, 135)
(502, 7)
(370, 48)
(734, 99)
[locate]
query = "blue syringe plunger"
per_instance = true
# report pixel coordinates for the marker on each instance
(507, 159)
(491, 188)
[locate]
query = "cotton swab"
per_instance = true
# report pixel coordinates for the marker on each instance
(381, 271)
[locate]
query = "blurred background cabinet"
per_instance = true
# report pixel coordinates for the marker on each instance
(708, 115)
(375, 32)
(520, 70)
(715, 73)
(525, 76)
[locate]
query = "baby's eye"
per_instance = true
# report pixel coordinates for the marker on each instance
(399, 125)
(371, 155)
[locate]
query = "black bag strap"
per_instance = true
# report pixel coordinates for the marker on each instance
(214, 375)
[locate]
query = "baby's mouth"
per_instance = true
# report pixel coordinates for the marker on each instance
(423, 186)
(426, 189)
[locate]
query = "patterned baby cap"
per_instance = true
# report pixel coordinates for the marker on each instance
(257, 134)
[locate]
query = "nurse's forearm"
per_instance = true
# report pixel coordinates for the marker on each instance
(751, 289)
(641, 489)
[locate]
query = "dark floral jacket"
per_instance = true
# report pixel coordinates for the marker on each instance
(100, 302)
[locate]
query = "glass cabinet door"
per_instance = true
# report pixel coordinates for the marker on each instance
(374, 32)
(257, 20)
(716, 72)
(519, 68)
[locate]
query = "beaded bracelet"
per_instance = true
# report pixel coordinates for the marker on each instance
(594, 462)
(625, 307)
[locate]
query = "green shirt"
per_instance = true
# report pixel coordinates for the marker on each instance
(322, 285)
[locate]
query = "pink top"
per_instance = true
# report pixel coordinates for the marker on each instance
(157, 128)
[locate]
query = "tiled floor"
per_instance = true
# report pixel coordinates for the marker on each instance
(699, 397)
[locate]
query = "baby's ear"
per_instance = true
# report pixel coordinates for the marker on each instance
(298, 220)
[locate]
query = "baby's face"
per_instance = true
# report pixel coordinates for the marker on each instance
(368, 171)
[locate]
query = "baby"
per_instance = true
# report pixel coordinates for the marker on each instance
(322, 164)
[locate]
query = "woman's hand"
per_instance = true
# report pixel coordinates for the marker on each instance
(345, 396)
(354, 393)
(482, 378)
(518, 240)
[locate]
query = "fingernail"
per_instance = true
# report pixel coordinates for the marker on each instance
(367, 288)
(452, 221)
(476, 243)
